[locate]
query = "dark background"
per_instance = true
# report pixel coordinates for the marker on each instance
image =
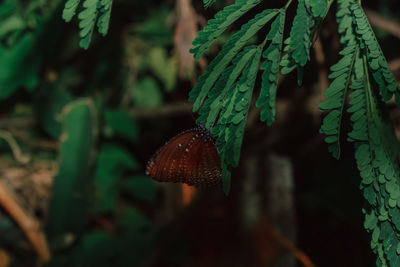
(81, 177)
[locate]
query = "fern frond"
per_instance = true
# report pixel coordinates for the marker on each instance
(298, 44)
(270, 68)
(225, 56)
(92, 11)
(300, 39)
(87, 17)
(218, 25)
(70, 9)
(376, 60)
(336, 93)
(376, 152)
(215, 98)
(229, 129)
(104, 19)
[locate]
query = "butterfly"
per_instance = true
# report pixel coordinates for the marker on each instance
(190, 157)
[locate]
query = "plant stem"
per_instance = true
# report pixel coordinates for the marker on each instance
(287, 4)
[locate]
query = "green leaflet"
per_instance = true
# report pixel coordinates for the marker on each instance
(87, 17)
(70, 9)
(93, 10)
(297, 45)
(376, 60)
(272, 54)
(300, 39)
(229, 129)
(213, 104)
(319, 8)
(104, 19)
(224, 57)
(336, 93)
(218, 25)
(208, 3)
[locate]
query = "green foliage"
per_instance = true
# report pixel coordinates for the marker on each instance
(139, 187)
(319, 8)
(218, 25)
(208, 3)
(298, 44)
(376, 60)
(164, 67)
(68, 212)
(376, 146)
(92, 11)
(147, 94)
(272, 56)
(225, 56)
(19, 66)
(230, 126)
(50, 103)
(337, 91)
(217, 97)
(122, 124)
(112, 162)
(224, 92)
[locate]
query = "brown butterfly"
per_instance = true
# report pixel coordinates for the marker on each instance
(190, 157)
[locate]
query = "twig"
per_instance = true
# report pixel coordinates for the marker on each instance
(29, 225)
(20, 122)
(286, 243)
(166, 110)
(383, 23)
(16, 150)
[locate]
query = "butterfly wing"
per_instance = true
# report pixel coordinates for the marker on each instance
(167, 163)
(202, 163)
(190, 157)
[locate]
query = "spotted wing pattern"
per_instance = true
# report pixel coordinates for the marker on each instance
(190, 157)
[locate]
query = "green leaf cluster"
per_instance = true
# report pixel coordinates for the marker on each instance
(298, 44)
(270, 67)
(92, 11)
(376, 147)
(376, 60)
(219, 24)
(341, 72)
(223, 94)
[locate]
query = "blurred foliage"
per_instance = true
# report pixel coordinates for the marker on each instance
(82, 101)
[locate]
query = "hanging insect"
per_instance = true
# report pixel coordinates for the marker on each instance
(190, 158)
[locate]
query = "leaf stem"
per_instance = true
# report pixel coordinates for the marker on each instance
(287, 4)
(369, 89)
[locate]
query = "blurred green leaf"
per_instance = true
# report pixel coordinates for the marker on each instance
(49, 105)
(147, 94)
(163, 66)
(121, 123)
(97, 249)
(68, 205)
(154, 27)
(19, 66)
(113, 158)
(10, 24)
(140, 187)
(133, 220)
(112, 162)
